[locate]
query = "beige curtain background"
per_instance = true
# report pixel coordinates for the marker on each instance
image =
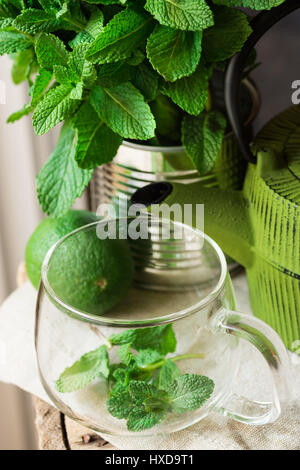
(19, 213)
(21, 156)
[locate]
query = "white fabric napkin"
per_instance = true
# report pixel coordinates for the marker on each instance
(18, 366)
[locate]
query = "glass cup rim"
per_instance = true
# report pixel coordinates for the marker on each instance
(117, 323)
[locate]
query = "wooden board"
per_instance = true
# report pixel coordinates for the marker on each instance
(57, 432)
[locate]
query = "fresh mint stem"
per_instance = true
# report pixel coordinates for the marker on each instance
(187, 356)
(159, 364)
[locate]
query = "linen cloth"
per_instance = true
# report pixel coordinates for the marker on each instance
(18, 366)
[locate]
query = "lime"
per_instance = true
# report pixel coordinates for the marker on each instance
(46, 234)
(85, 272)
(90, 274)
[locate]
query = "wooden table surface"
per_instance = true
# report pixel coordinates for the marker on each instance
(57, 432)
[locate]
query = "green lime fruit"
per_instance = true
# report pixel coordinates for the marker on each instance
(47, 233)
(90, 274)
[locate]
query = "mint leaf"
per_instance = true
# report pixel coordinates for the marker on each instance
(60, 181)
(124, 110)
(19, 114)
(120, 404)
(147, 357)
(190, 93)
(141, 418)
(22, 65)
(81, 38)
(254, 4)
(89, 367)
(76, 93)
(57, 105)
(159, 338)
(9, 9)
(62, 75)
(77, 70)
(93, 28)
(111, 75)
(141, 392)
(65, 12)
(96, 143)
(72, 16)
(11, 42)
(136, 58)
(168, 118)
(120, 37)
(51, 51)
(202, 138)
(33, 21)
(166, 375)
(5, 22)
(121, 375)
(42, 81)
(128, 369)
(50, 5)
(95, 24)
(125, 355)
(189, 392)
(80, 68)
(190, 15)
(174, 53)
(146, 80)
(227, 36)
(150, 406)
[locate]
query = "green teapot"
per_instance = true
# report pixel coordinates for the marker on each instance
(259, 226)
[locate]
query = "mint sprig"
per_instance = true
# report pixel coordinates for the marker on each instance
(145, 386)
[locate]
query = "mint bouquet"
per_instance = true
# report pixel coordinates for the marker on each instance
(112, 70)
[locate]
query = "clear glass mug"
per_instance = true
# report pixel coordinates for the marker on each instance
(180, 305)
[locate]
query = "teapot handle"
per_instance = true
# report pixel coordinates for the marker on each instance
(260, 25)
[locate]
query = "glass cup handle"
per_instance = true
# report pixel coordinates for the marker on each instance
(272, 348)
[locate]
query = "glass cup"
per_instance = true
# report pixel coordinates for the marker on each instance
(159, 351)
